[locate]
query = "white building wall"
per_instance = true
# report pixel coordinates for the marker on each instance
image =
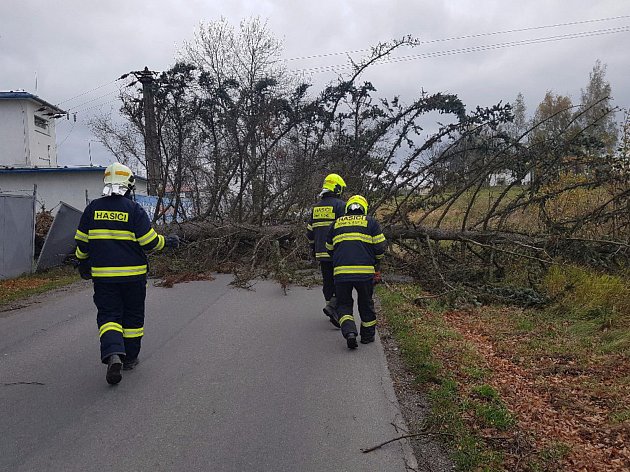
(53, 187)
(42, 141)
(14, 140)
(22, 143)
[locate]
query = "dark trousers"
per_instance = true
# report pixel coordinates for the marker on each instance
(120, 317)
(365, 303)
(329, 281)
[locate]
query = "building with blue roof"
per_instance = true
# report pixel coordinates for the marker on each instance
(28, 156)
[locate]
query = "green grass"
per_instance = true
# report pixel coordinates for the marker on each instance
(21, 287)
(453, 380)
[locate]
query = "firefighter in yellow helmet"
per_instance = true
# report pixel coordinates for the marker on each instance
(112, 237)
(357, 246)
(326, 211)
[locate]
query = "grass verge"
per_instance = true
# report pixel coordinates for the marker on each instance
(32, 284)
(514, 389)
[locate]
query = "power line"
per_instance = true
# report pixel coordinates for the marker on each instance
(89, 91)
(98, 106)
(76, 107)
(470, 36)
(67, 135)
(472, 49)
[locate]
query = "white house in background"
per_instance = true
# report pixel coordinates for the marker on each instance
(28, 156)
(506, 177)
(27, 130)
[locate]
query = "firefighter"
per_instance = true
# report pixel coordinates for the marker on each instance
(112, 237)
(357, 246)
(326, 211)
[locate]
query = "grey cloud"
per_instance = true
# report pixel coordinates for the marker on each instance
(76, 45)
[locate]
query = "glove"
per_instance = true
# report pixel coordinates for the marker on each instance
(171, 240)
(377, 279)
(85, 270)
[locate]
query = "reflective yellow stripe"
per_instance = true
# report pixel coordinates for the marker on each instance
(330, 247)
(321, 254)
(353, 270)
(81, 236)
(379, 238)
(117, 234)
(118, 271)
(379, 256)
(133, 332)
(80, 254)
(160, 245)
(309, 227)
(367, 324)
(352, 237)
(345, 318)
(109, 327)
(321, 224)
(147, 238)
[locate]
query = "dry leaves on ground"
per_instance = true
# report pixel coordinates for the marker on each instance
(558, 401)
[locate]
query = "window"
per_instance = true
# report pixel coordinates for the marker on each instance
(41, 122)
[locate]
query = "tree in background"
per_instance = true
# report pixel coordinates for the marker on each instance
(597, 114)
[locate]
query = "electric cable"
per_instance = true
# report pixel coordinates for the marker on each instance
(470, 36)
(472, 49)
(80, 105)
(89, 91)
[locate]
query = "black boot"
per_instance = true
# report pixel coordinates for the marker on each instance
(114, 365)
(330, 310)
(351, 340)
(130, 364)
(367, 339)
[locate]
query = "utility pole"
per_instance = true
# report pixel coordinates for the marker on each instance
(151, 143)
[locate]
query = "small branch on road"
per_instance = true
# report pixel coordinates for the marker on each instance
(22, 383)
(404, 436)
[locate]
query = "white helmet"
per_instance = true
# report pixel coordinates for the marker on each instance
(118, 179)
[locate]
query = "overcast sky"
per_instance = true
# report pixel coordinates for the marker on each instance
(61, 49)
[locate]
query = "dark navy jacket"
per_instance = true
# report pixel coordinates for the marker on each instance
(326, 211)
(113, 234)
(356, 244)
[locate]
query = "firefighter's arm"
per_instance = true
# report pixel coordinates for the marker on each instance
(329, 239)
(379, 244)
(378, 241)
(81, 237)
(146, 236)
(82, 251)
(310, 236)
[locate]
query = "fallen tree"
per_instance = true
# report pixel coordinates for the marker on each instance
(442, 260)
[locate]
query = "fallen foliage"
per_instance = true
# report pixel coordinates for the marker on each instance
(21, 287)
(170, 280)
(557, 398)
(516, 389)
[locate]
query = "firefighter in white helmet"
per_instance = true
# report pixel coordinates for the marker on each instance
(324, 213)
(112, 237)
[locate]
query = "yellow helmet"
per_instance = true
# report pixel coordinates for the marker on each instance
(118, 179)
(355, 203)
(334, 183)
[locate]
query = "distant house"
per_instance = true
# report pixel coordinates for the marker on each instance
(28, 156)
(506, 177)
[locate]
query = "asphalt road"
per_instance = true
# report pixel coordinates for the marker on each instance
(229, 380)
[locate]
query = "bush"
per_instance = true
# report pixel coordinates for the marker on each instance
(590, 295)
